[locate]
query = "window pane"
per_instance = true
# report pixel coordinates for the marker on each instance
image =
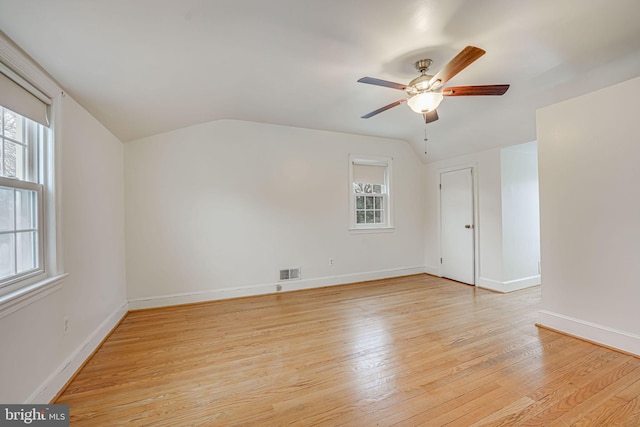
(359, 202)
(14, 160)
(377, 217)
(378, 203)
(26, 251)
(369, 203)
(12, 125)
(360, 217)
(377, 189)
(6, 209)
(357, 187)
(7, 255)
(20, 162)
(369, 217)
(25, 204)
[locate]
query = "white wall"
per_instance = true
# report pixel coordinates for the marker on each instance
(216, 210)
(37, 358)
(590, 216)
(520, 215)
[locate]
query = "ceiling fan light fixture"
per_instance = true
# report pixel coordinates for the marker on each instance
(419, 84)
(425, 102)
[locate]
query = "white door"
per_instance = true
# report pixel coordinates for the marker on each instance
(457, 226)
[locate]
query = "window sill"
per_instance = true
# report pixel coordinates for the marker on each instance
(29, 294)
(372, 230)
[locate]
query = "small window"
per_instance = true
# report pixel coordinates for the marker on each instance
(370, 195)
(369, 203)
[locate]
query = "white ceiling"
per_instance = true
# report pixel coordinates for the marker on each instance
(144, 67)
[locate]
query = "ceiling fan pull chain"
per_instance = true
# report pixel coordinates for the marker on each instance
(425, 137)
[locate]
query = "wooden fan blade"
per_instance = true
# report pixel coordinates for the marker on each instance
(385, 83)
(461, 61)
(385, 108)
(475, 90)
(430, 116)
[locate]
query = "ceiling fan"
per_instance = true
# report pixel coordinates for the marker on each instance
(425, 92)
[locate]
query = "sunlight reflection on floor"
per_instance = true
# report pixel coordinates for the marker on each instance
(374, 352)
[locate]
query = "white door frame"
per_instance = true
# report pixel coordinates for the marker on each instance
(476, 218)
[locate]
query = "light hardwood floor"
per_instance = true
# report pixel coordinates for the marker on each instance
(416, 350)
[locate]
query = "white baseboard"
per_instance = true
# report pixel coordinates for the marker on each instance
(432, 270)
(509, 285)
(54, 383)
(600, 334)
(268, 288)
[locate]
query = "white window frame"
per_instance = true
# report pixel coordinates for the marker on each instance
(27, 290)
(369, 160)
(40, 268)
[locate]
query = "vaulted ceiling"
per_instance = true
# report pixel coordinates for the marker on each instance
(144, 67)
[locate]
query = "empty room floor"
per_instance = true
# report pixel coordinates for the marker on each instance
(416, 350)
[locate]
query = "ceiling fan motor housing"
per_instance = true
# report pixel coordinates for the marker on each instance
(421, 83)
(423, 65)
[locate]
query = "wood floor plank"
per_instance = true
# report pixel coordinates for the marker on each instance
(415, 350)
(582, 390)
(556, 362)
(410, 383)
(623, 408)
(514, 381)
(517, 368)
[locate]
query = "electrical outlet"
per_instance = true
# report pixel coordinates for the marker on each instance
(66, 325)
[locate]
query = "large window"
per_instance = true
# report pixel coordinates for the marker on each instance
(21, 192)
(27, 212)
(370, 206)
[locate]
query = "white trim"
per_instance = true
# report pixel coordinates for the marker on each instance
(26, 295)
(387, 162)
(590, 331)
(53, 197)
(370, 160)
(267, 288)
(509, 285)
(57, 380)
(432, 270)
(522, 283)
(493, 285)
(372, 230)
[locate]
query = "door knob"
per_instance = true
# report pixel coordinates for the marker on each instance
(467, 226)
